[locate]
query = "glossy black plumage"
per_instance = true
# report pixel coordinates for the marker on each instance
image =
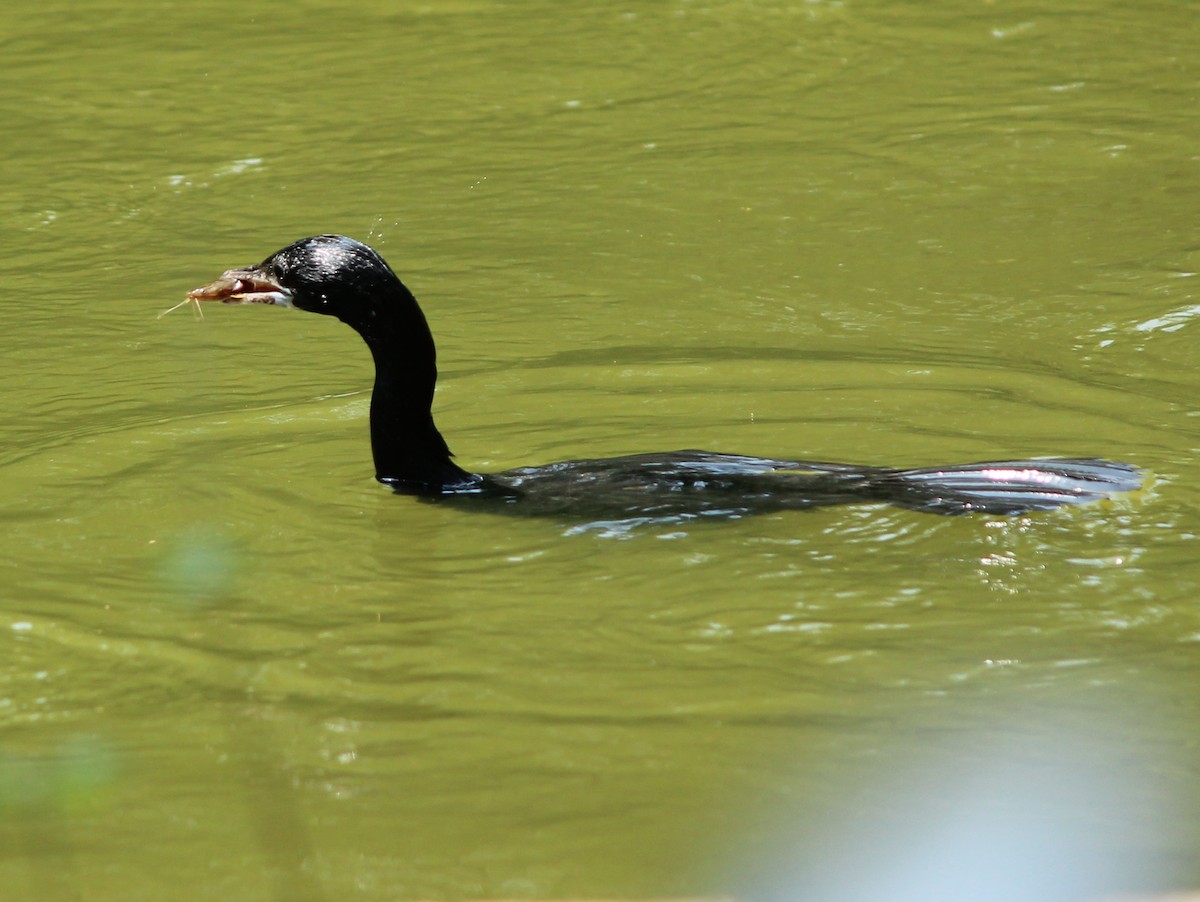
(341, 277)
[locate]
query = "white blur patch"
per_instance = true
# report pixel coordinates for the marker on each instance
(1033, 814)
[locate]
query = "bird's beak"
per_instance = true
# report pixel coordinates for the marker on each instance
(243, 286)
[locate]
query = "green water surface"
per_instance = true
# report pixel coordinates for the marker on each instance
(901, 233)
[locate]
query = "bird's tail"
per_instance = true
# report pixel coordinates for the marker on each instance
(1006, 486)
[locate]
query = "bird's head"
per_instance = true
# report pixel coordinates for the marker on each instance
(329, 274)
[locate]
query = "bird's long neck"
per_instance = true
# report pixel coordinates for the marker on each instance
(410, 454)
